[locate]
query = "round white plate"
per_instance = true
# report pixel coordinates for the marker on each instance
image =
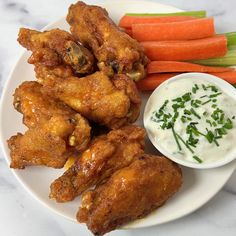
(199, 185)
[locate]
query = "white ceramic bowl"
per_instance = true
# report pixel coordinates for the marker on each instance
(224, 86)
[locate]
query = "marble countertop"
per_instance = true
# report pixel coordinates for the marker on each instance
(20, 214)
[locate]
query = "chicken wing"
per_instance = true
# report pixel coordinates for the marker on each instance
(130, 193)
(45, 144)
(37, 106)
(115, 50)
(110, 102)
(55, 46)
(106, 154)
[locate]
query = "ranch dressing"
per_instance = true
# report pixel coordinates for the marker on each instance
(194, 120)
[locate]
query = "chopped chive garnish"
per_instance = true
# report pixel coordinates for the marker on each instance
(215, 141)
(176, 139)
(186, 97)
(195, 113)
(209, 136)
(214, 106)
(215, 95)
(187, 146)
(197, 159)
(214, 124)
(187, 112)
(204, 87)
(179, 99)
(209, 122)
(204, 103)
(195, 88)
(183, 119)
(228, 124)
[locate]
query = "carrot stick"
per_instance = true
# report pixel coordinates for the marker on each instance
(229, 76)
(127, 21)
(186, 50)
(152, 81)
(183, 30)
(177, 66)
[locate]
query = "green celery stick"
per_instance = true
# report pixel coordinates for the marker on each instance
(228, 60)
(231, 38)
(199, 14)
(232, 47)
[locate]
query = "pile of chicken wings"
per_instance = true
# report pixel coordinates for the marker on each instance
(82, 105)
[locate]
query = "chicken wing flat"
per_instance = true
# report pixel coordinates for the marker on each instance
(109, 102)
(55, 46)
(36, 107)
(106, 154)
(130, 193)
(115, 50)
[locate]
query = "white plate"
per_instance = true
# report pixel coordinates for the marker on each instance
(199, 185)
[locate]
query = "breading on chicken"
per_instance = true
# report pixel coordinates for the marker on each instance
(37, 107)
(115, 51)
(106, 154)
(130, 193)
(53, 47)
(109, 102)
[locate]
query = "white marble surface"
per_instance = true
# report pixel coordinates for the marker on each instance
(20, 214)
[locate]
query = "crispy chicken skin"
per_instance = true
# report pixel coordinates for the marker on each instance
(130, 193)
(55, 46)
(115, 50)
(37, 107)
(106, 154)
(45, 144)
(110, 102)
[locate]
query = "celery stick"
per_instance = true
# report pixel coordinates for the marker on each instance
(228, 60)
(231, 38)
(232, 47)
(199, 14)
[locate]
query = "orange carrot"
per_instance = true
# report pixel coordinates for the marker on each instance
(152, 81)
(183, 30)
(127, 21)
(177, 66)
(186, 50)
(229, 76)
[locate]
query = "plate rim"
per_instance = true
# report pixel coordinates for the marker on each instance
(5, 150)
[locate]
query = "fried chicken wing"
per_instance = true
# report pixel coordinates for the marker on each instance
(45, 144)
(106, 154)
(130, 193)
(115, 50)
(37, 106)
(110, 102)
(55, 46)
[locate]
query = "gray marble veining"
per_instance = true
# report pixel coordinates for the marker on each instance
(20, 214)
